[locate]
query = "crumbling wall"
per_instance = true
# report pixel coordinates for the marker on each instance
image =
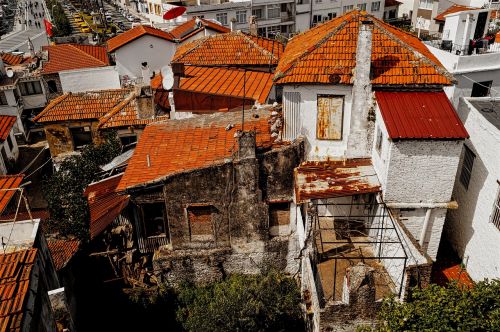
(57, 80)
(59, 136)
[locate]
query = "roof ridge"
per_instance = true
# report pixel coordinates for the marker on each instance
(258, 46)
(439, 68)
(85, 53)
(198, 43)
(50, 106)
(292, 64)
(116, 108)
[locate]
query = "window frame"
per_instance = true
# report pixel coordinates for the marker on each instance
(271, 8)
(426, 4)
(480, 86)
(241, 14)
(375, 6)
(73, 129)
(495, 214)
(347, 8)
(147, 230)
(199, 237)
(222, 18)
(3, 98)
(362, 6)
(466, 170)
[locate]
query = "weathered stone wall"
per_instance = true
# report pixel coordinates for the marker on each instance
(59, 136)
(52, 77)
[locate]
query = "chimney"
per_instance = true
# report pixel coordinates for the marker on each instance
(178, 71)
(246, 145)
(146, 75)
(233, 21)
(144, 102)
(253, 25)
(361, 135)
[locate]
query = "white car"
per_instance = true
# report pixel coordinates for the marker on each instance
(130, 18)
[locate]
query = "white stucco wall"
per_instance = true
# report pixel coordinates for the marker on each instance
(317, 149)
(155, 51)
(468, 228)
(89, 79)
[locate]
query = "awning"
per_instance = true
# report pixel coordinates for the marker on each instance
(335, 178)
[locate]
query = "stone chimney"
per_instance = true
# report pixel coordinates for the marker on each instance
(358, 143)
(246, 145)
(178, 72)
(144, 102)
(253, 25)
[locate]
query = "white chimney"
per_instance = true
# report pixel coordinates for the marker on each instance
(361, 131)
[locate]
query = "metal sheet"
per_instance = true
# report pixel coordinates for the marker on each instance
(330, 115)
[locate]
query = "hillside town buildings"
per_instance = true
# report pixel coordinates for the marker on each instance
(313, 137)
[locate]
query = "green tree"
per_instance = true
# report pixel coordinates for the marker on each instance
(452, 308)
(62, 26)
(68, 207)
(267, 302)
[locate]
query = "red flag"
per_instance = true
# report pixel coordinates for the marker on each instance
(48, 27)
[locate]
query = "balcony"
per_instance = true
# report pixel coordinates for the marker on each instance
(480, 47)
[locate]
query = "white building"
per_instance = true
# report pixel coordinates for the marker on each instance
(380, 162)
(9, 151)
(476, 69)
(474, 228)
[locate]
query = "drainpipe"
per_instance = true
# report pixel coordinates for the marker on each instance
(426, 227)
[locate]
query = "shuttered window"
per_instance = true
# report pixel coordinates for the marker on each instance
(330, 117)
(495, 216)
(291, 105)
(467, 165)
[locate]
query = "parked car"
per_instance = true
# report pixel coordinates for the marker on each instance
(130, 18)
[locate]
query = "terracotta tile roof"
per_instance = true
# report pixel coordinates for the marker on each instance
(126, 114)
(105, 203)
(230, 49)
(189, 28)
(419, 115)
(134, 33)
(6, 124)
(8, 182)
(74, 56)
(15, 275)
(62, 251)
(327, 53)
(232, 82)
(82, 105)
(451, 10)
(176, 146)
(11, 59)
(335, 178)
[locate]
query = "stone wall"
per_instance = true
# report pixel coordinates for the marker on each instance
(52, 77)
(59, 137)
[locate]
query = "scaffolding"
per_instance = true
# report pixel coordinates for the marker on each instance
(353, 229)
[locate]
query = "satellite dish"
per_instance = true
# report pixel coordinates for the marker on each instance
(10, 73)
(168, 77)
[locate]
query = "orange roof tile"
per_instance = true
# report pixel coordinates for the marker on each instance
(82, 105)
(134, 33)
(105, 203)
(126, 114)
(176, 146)
(6, 124)
(74, 56)
(7, 184)
(11, 59)
(225, 81)
(329, 49)
(62, 251)
(451, 10)
(190, 28)
(230, 49)
(15, 275)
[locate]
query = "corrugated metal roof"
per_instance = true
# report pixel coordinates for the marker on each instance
(104, 203)
(419, 115)
(7, 184)
(335, 178)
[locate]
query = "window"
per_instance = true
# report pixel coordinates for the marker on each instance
(273, 11)
(330, 117)
(128, 142)
(302, 2)
(151, 8)
(291, 113)
(153, 217)
(222, 18)
(273, 30)
(157, 9)
(318, 1)
(316, 19)
(426, 4)
(81, 136)
(467, 165)
(375, 6)
(3, 98)
(52, 85)
(30, 88)
(241, 16)
(9, 142)
(258, 13)
(495, 216)
(378, 143)
(279, 214)
(362, 6)
(201, 222)
(348, 8)
(481, 89)
(332, 15)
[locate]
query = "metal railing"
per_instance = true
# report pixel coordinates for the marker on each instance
(481, 47)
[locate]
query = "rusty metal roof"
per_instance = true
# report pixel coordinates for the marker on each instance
(335, 178)
(419, 115)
